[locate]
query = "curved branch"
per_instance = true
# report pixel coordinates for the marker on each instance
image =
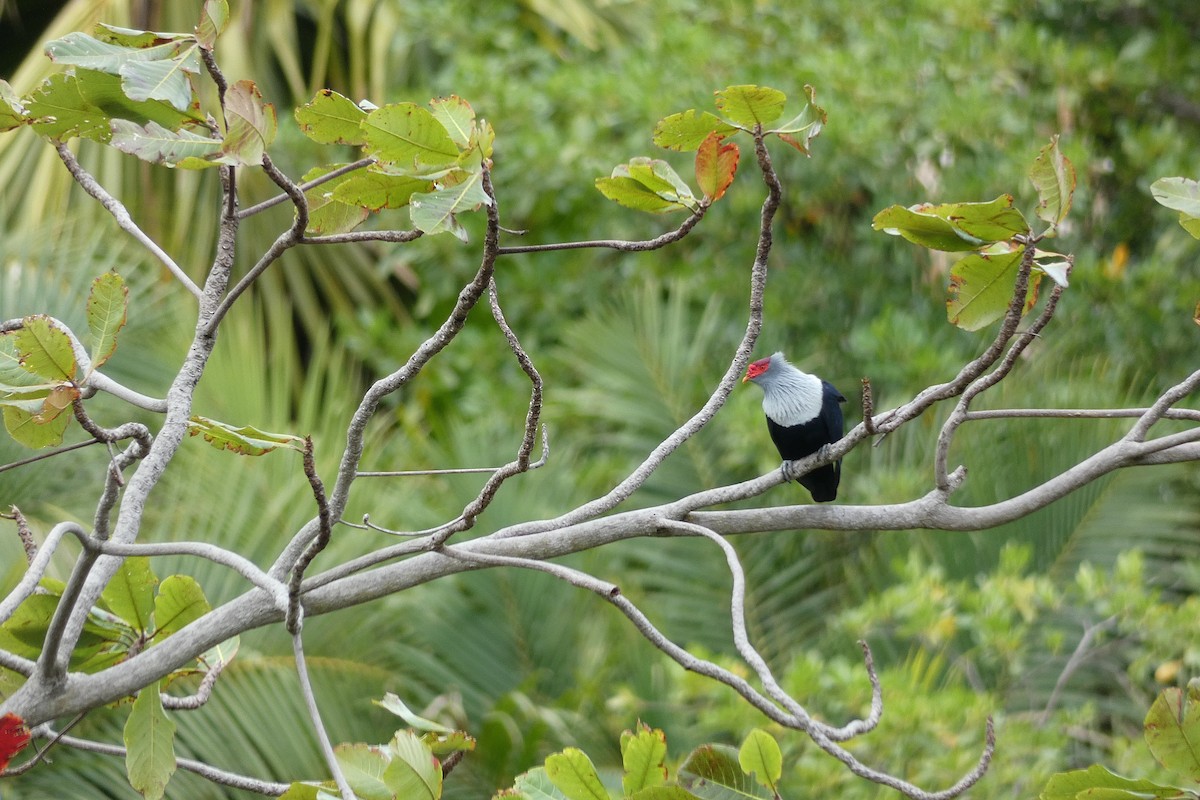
(124, 221)
(614, 244)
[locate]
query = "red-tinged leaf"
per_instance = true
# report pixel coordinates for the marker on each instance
(212, 22)
(14, 735)
(716, 164)
(252, 125)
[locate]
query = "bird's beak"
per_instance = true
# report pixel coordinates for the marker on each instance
(746, 377)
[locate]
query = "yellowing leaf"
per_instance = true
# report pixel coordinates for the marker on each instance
(245, 440)
(750, 105)
(106, 313)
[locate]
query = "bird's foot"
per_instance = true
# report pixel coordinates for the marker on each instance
(824, 451)
(789, 470)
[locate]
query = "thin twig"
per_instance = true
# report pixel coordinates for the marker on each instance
(314, 713)
(304, 187)
(324, 533)
(124, 221)
(613, 244)
(24, 533)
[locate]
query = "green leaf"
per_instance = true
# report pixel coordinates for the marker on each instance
(456, 116)
(12, 110)
(1182, 195)
(919, 226)
(749, 105)
(433, 212)
(105, 638)
(994, 221)
(642, 755)
(575, 775)
(252, 126)
(330, 118)
(413, 771)
(45, 349)
(981, 286)
(409, 137)
(212, 23)
(1053, 176)
(107, 304)
(131, 37)
(688, 129)
(646, 184)
(25, 428)
(150, 744)
(712, 771)
(105, 93)
(165, 79)
(130, 593)
(364, 768)
(375, 190)
(954, 226)
(632, 194)
(394, 704)
(1097, 783)
(1173, 731)
(716, 164)
(158, 72)
(245, 440)
(327, 214)
(536, 785)
(156, 144)
(58, 110)
(179, 602)
(760, 756)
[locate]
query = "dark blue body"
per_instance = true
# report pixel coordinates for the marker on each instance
(798, 441)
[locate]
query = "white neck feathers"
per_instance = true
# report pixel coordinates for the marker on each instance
(790, 397)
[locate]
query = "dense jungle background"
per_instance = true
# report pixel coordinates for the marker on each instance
(927, 100)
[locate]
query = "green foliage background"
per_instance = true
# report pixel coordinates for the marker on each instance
(927, 100)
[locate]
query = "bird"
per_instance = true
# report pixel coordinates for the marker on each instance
(804, 416)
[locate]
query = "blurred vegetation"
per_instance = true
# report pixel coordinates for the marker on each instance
(927, 100)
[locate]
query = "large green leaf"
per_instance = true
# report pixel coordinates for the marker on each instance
(327, 214)
(749, 105)
(761, 757)
(157, 72)
(1097, 783)
(408, 136)
(150, 744)
(58, 110)
(45, 350)
(107, 305)
(330, 118)
(180, 601)
(712, 772)
(413, 772)
(687, 129)
(643, 754)
(457, 117)
(376, 190)
(575, 775)
(154, 143)
(981, 287)
(364, 768)
(130, 593)
(1173, 731)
